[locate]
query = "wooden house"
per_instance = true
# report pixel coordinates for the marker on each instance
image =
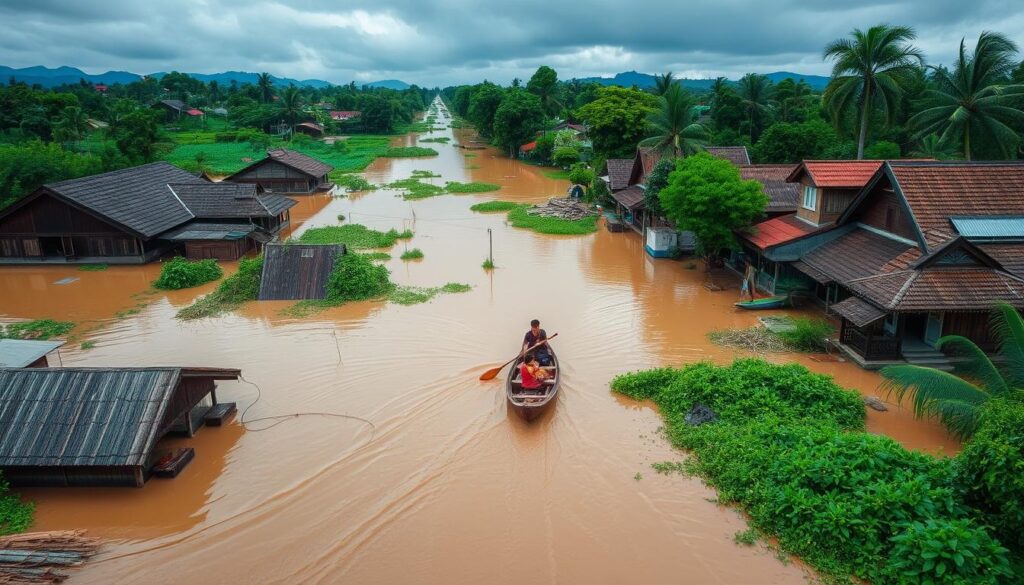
(175, 109)
(310, 129)
(97, 426)
(297, 272)
(131, 216)
(286, 171)
(827, 187)
(26, 353)
(737, 155)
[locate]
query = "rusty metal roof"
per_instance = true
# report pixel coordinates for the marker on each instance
(297, 271)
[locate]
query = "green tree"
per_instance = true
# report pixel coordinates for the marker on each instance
(24, 167)
(517, 119)
(656, 181)
(617, 119)
(289, 106)
(974, 104)
(792, 143)
(663, 82)
(544, 85)
(484, 105)
(727, 110)
(565, 156)
(792, 98)
(673, 125)
(138, 134)
(931, 146)
(266, 87)
(756, 92)
(956, 398)
(72, 124)
(883, 150)
(580, 174)
(870, 72)
(706, 195)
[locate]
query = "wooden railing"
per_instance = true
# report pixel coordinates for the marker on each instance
(870, 346)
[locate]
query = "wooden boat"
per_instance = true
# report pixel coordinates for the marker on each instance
(531, 405)
(776, 302)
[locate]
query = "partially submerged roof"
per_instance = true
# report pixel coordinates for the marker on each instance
(630, 198)
(297, 271)
(778, 230)
(840, 174)
(782, 195)
(224, 199)
(19, 353)
(86, 416)
(737, 155)
(619, 172)
(201, 230)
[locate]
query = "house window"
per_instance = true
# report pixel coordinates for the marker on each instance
(810, 198)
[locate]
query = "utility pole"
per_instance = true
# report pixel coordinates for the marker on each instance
(490, 244)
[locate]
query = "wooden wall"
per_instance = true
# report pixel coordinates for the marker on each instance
(218, 250)
(883, 210)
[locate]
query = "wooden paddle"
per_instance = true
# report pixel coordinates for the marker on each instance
(493, 372)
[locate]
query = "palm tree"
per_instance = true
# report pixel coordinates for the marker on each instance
(72, 124)
(932, 146)
(290, 106)
(956, 398)
(265, 85)
(756, 91)
(673, 125)
(975, 103)
(663, 82)
(871, 70)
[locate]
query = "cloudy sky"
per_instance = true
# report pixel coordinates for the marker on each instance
(442, 42)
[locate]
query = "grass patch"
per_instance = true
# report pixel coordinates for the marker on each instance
(353, 235)
(415, 189)
(488, 264)
(39, 329)
(494, 206)
(559, 175)
(418, 174)
(414, 295)
(93, 267)
(409, 152)
(473, 187)
(746, 537)
(551, 225)
(87, 345)
(439, 139)
(377, 256)
(236, 289)
(179, 273)
(350, 181)
(224, 158)
(808, 334)
(414, 254)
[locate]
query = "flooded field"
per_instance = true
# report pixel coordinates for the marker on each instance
(438, 484)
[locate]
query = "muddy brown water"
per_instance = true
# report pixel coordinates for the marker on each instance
(446, 487)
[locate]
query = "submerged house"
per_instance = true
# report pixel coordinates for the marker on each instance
(296, 272)
(286, 171)
(136, 215)
(97, 426)
(27, 353)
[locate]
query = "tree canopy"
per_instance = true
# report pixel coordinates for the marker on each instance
(617, 119)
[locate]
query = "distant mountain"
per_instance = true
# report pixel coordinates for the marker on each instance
(48, 77)
(645, 80)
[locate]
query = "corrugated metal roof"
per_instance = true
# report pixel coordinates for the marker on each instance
(297, 271)
(82, 416)
(990, 228)
(210, 231)
(18, 353)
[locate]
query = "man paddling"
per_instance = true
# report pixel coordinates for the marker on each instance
(534, 336)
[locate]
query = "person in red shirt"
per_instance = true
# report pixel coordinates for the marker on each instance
(531, 373)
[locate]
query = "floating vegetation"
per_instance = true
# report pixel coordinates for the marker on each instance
(236, 289)
(93, 267)
(469, 154)
(341, 217)
(473, 187)
(521, 218)
(353, 235)
(179, 273)
(351, 182)
(440, 139)
(488, 264)
(377, 256)
(419, 174)
(414, 254)
(494, 206)
(39, 329)
(412, 295)
(416, 189)
(409, 152)
(87, 345)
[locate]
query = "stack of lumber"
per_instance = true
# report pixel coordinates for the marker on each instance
(563, 208)
(35, 557)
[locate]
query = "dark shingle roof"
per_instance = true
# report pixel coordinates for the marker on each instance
(223, 200)
(737, 155)
(619, 172)
(630, 198)
(174, 104)
(856, 254)
(137, 198)
(858, 311)
(297, 271)
(940, 289)
(782, 195)
(299, 161)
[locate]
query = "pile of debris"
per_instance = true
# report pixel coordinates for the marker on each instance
(563, 208)
(38, 557)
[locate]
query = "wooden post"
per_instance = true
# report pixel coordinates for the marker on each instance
(490, 245)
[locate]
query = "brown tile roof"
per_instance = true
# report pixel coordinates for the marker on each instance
(737, 155)
(848, 174)
(858, 311)
(853, 255)
(630, 198)
(936, 191)
(299, 161)
(1011, 256)
(782, 195)
(813, 273)
(941, 289)
(619, 171)
(648, 158)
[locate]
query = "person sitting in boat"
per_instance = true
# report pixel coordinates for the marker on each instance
(534, 336)
(532, 374)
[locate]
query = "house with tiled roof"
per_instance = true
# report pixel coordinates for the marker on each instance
(286, 171)
(136, 215)
(925, 250)
(737, 155)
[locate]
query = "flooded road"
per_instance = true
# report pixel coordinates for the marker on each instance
(444, 486)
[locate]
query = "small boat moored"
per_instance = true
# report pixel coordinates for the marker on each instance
(775, 302)
(532, 404)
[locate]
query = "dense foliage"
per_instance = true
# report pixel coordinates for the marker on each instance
(15, 515)
(353, 235)
(788, 448)
(178, 273)
(357, 278)
(38, 329)
(617, 119)
(242, 286)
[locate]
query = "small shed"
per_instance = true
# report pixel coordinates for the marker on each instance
(310, 128)
(286, 171)
(295, 272)
(26, 353)
(97, 426)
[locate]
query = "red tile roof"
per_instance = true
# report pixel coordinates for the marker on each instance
(529, 146)
(778, 230)
(841, 174)
(194, 112)
(342, 115)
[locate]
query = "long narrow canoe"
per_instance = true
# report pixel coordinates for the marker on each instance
(776, 302)
(531, 405)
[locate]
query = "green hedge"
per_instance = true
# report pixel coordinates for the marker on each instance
(179, 273)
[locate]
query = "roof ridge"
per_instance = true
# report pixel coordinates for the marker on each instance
(903, 289)
(115, 172)
(185, 207)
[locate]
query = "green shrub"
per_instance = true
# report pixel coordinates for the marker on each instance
(178, 273)
(225, 137)
(565, 156)
(948, 551)
(494, 206)
(990, 471)
(414, 254)
(416, 189)
(488, 264)
(236, 289)
(580, 174)
(38, 329)
(351, 182)
(15, 515)
(353, 235)
(355, 277)
(474, 187)
(808, 334)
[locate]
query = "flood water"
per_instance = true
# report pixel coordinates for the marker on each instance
(446, 486)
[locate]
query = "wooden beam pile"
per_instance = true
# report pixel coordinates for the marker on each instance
(563, 208)
(36, 557)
